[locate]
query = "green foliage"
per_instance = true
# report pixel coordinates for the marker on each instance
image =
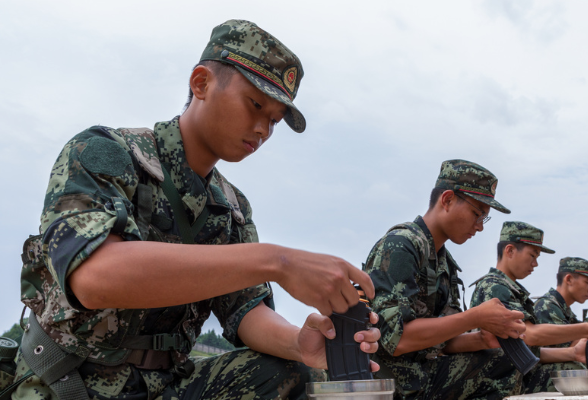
(15, 332)
(196, 353)
(210, 338)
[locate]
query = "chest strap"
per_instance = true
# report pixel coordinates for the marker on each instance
(187, 232)
(159, 342)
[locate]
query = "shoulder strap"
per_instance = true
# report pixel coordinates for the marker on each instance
(229, 193)
(426, 274)
(476, 281)
(142, 143)
(170, 191)
(422, 244)
(55, 367)
(187, 232)
(455, 279)
(144, 147)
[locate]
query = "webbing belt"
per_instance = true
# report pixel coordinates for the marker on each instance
(59, 369)
(54, 366)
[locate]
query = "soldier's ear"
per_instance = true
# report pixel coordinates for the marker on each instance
(200, 81)
(509, 250)
(568, 279)
(446, 198)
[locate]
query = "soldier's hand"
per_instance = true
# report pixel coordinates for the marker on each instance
(580, 351)
(311, 340)
(489, 339)
(495, 318)
(321, 281)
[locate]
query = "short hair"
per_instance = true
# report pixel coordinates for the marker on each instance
(502, 245)
(223, 73)
(436, 193)
(561, 275)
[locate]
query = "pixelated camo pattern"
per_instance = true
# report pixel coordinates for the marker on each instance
(512, 294)
(94, 167)
(551, 308)
(250, 41)
(264, 60)
(574, 265)
(241, 374)
(485, 374)
(410, 282)
(472, 179)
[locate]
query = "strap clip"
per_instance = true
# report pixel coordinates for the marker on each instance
(167, 341)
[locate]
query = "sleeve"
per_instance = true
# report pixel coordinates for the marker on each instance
(231, 308)
(393, 265)
(87, 198)
(547, 312)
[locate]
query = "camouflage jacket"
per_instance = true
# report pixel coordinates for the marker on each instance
(551, 308)
(411, 281)
(95, 187)
(513, 295)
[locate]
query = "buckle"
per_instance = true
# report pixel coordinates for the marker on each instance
(167, 341)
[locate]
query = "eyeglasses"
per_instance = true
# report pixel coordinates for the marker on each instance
(482, 218)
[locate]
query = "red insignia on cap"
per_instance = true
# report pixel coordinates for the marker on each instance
(289, 78)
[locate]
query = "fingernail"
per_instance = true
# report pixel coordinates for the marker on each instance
(359, 337)
(331, 333)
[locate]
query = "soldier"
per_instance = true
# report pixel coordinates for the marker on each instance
(113, 281)
(519, 247)
(572, 286)
(417, 298)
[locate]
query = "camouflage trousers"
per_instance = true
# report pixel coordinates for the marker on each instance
(539, 380)
(240, 374)
(485, 374)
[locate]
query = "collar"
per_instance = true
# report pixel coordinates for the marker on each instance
(558, 297)
(562, 303)
(432, 254)
(171, 151)
(194, 189)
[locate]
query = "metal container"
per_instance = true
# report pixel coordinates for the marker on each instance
(375, 389)
(572, 382)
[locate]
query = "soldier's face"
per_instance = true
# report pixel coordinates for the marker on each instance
(524, 261)
(239, 119)
(578, 288)
(465, 221)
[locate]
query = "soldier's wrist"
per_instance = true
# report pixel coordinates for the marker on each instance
(474, 317)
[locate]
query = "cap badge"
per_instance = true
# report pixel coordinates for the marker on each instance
(289, 78)
(493, 188)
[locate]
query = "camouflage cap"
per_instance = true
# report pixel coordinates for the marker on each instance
(516, 231)
(263, 60)
(471, 179)
(573, 265)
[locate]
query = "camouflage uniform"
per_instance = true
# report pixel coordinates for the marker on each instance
(109, 181)
(413, 281)
(551, 308)
(496, 284)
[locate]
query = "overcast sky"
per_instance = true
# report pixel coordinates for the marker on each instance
(391, 89)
